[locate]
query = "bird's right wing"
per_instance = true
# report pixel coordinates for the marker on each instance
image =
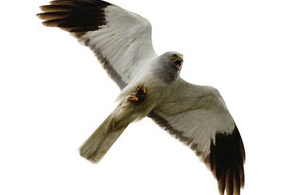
(198, 116)
(120, 39)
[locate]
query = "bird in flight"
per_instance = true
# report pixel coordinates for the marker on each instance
(151, 86)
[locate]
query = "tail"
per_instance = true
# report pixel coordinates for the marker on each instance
(96, 146)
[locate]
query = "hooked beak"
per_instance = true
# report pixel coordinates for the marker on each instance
(178, 63)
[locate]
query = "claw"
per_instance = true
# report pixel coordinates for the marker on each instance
(142, 89)
(133, 98)
(139, 96)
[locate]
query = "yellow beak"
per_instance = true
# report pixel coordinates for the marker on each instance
(181, 57)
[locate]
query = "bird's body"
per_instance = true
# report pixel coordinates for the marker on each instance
(151, 86)
(158, 84)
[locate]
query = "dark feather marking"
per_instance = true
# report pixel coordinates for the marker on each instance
(194, 146)
(236, 184)
(52, 23)
(221, 185)
(109, 69)
(198, 153)
(229, 182)
(166, 126)
(61, 2)
(226, 159)
(76, 15)
(79, 17)
(84, 29)
(53, 15)
(178, 135)
(77, 24)
(68, 2)
(183, 139)
(114, 75)
(56, 8)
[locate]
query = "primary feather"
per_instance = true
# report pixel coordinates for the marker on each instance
(196, 115)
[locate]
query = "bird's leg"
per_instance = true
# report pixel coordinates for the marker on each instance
(139, 95)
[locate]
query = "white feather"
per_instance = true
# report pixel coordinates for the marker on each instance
(198, 112)
(125, 41)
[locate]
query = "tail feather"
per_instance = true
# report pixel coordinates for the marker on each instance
(100, 141)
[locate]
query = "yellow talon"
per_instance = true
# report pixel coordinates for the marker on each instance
(142, 88)
(133, 98)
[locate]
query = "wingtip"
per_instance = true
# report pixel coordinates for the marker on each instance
(42, 7)
(226, 162)
(78, 16)
(38, 15)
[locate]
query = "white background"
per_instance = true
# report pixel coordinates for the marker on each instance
(54, 94)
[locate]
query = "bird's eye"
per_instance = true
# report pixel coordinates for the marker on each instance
(174, 56)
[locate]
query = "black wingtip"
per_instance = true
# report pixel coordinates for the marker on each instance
(226, 160)
(74, 15)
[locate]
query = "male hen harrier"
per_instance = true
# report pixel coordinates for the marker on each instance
(151, 86)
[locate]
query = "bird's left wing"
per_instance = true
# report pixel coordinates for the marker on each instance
(198, 116)
(120, 39)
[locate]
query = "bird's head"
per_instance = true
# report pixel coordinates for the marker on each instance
(170, 64)
(175, 60)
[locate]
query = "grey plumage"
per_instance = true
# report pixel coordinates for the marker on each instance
(151, 86)
(158, 80)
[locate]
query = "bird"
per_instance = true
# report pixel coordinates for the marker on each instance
(151, 86)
